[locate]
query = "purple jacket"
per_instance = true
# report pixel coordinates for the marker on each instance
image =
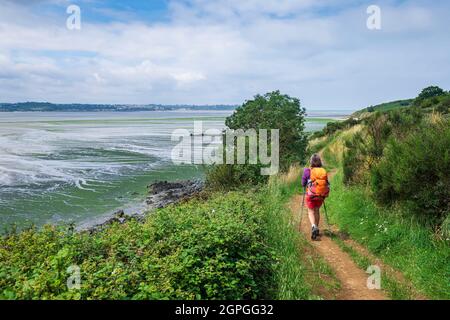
(306, 176)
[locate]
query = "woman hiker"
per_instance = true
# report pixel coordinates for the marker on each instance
(315, 180)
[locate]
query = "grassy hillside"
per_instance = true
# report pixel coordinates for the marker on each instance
(383, 107)
(390, 234)
(391, 190)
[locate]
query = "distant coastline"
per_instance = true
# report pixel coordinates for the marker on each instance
(79, 107)
(331, 114)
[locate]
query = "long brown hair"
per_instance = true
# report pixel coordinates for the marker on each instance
(315, 161)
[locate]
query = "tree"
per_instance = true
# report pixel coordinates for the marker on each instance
(270, 111)
(275, 111)
(430, 92)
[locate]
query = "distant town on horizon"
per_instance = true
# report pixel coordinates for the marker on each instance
(76, 107)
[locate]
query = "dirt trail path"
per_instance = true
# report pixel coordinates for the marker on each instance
(353, 280)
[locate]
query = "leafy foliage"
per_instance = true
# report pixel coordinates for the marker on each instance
(392, 234)
(416, 170)
(403, 155)
(234, 246)
(231, 177)
(387, 106)
(429, 92)
(275, 111)
(393, 192)
(270, 111)
(335, 126)
(210, 250)
(366, 148)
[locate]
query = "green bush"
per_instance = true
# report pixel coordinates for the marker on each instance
(315, 135)
(352, 159)
(270, 111)
(444, 105)
(333, 127)
(416, 170)
(199, 250)
(366, 148)
(429, 93)
(439, 104)
(393, 236)
(231, 177)
(275, 111)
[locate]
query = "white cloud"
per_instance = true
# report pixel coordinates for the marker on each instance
(225, 52)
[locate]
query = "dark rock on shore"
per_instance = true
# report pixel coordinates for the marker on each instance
(160, 195)
(163, 193)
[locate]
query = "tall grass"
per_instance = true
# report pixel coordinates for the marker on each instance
(394, 236)
(301, 273)
(283, 238)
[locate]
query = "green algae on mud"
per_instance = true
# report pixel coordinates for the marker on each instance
(69, 167)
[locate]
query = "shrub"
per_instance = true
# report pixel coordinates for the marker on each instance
(416, 170)
(316, 135)
(270, 111)
(429, 92)
(333, 127)
(353, 159)
(444, 105)
(231, 177)
(366, 149)
(391, 233)
(275, 111)
(198, 250)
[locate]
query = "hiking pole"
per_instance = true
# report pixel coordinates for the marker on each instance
(302, 208)
(326, 220)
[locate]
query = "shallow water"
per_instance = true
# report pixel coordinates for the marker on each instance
(69, 167)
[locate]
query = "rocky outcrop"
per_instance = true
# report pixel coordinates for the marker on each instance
(164, 193)
(160, 195)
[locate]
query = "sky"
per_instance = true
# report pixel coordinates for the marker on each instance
(222, 51)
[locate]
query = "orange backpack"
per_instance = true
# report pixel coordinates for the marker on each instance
(318, 185)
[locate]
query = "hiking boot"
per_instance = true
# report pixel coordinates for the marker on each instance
(314, 233)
